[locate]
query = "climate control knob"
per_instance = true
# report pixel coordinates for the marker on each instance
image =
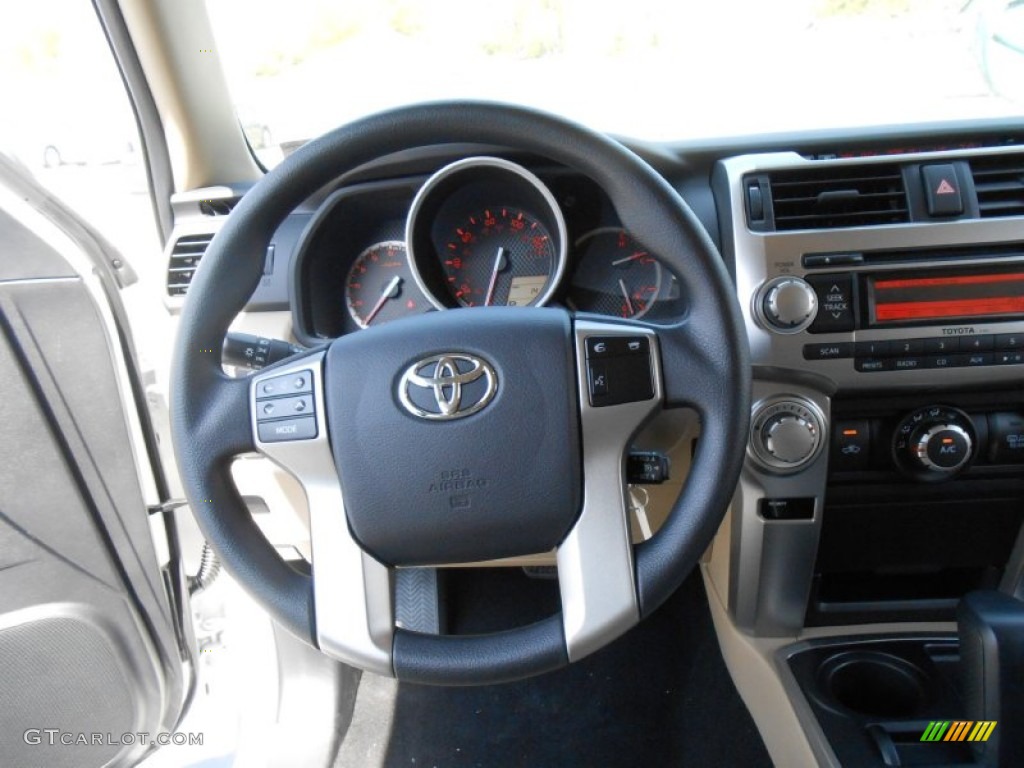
(786, 434)
(934, 443)
(788, 304)
(943, 448)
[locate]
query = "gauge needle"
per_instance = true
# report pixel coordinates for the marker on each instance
(389, 292)
(637, 255)
(625, 295)
(494, 276)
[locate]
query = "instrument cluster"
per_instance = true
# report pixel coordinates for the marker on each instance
(479, 232)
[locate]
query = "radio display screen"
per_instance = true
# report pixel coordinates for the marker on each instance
(914, 299)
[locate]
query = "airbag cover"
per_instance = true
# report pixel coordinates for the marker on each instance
(501, 478)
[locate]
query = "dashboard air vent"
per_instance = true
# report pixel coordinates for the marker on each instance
(221, 207)
(826, 198)
(185, 256)
(999, 183)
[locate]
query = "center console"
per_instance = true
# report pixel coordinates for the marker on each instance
(884, 302)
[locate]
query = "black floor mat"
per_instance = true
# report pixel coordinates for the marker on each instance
(660, 696)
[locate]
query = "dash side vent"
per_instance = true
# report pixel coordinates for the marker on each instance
(828, 198)
(999, 184)
(185, 257)
(219, 206)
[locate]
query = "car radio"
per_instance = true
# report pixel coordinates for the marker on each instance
(965, 309)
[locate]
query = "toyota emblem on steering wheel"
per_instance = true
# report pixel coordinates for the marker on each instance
(447, 386)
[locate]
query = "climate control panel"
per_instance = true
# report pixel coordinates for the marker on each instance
(930, 443)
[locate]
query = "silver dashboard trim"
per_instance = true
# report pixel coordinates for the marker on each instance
(352, 595)
(771, 562)
(763, 256)
(595, 562)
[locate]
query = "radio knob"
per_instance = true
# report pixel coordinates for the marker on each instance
(943, 448)
(789, 303)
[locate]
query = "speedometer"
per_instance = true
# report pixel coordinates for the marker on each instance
(485, 231)
(499, 256)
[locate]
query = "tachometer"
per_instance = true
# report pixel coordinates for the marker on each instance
(499, 256)
(615, 275)
(485, 231)
(380, 286)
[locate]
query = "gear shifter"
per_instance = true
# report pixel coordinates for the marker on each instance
(991, 626)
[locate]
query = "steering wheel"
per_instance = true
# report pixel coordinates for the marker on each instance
(467, 435)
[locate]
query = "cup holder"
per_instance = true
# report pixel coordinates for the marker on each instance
(875, 684)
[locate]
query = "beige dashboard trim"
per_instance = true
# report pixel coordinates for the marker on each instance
(178, 54)
(787, 725)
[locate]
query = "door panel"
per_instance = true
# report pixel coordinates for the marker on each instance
(89, 644)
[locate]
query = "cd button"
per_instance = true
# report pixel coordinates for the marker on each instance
(941, 361)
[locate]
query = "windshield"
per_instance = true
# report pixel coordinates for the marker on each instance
(649, 69)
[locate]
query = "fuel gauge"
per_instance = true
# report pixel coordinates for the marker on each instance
(615, 275)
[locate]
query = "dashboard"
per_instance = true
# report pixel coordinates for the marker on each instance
(480, 231)
(881, 278)
(880, 275)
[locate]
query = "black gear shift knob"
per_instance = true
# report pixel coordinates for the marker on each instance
(991, 626)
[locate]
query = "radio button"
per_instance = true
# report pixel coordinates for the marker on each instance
(1010, 341)
(907, 363)
(976, 343)
(835, 303)
(873, 348)
(941, 346)
(835, 351)
(872, 364)
(907, 347)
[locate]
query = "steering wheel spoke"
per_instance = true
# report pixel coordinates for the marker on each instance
(620, 388)
(352, 592)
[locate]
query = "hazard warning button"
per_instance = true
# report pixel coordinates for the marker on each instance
(942, 190)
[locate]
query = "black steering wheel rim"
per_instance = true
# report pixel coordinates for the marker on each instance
(704, 358)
